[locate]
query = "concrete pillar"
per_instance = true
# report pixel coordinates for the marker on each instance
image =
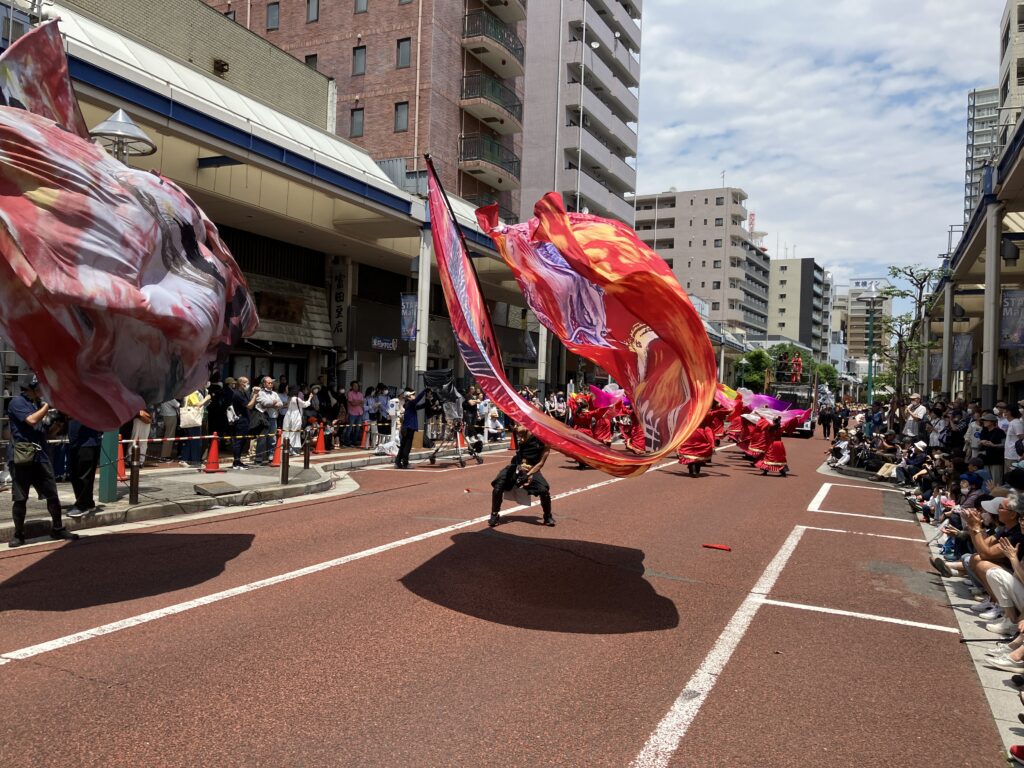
(992, 305)
(947, 338)
(925, 379)
(423, 305)
(543, 349)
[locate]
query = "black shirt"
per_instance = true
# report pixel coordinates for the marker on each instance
(995, 435)
(530, 451)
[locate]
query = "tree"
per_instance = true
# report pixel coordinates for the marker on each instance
(751, 367)
(904, 331)
(827, 374)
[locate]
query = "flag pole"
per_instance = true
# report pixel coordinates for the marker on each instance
(465, 247)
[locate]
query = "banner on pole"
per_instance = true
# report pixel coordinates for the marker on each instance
(963, 351)
(409, 308)
(337, 304)
(935, 365)
(1011, 329)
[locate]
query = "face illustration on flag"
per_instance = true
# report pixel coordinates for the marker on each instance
(114, 286)
(608, 298)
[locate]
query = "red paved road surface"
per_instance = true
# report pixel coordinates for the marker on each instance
(518, 646)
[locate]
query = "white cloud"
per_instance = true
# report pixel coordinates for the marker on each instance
(845, 122)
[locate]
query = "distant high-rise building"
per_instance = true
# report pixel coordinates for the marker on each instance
(580, 132)
(414, 77)
(1011, 68)
(702, 235)
(796, 303)
(982, 142)
(859, 310)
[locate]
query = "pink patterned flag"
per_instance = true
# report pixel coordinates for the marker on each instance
(114, 286)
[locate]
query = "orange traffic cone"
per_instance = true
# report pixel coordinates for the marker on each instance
(213, 457)
(121, 474)
(365, 441)
(277, 451)
(319, 448)
(512, 441)
(460, 440)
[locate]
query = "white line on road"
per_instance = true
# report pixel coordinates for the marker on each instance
(819, 497)
(862, 533)
(854, 614)
(865, 487)
(171, 610)
(663, 743)
(857, 514)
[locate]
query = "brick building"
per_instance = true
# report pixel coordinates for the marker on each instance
(415, 76)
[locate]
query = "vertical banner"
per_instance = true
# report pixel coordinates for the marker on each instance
(409, 306)
(963, 351)
(1011, 329)
(337, 303)
(935, 365)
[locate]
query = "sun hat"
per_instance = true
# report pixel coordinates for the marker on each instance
(992, 506)
(921, 445)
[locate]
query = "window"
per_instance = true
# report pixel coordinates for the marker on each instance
(401, 116)
(229, 15)
(718, 243)
(719, 222)
(359, 60)
(782, 296)
(312, 10)
(687, 285)
(716, 285)
(273, 15)
(717, 264)
(355, 123)
(705, 222)
(705, 203)
(715, 306)
(689, 264)
(702, 284)
(719, 201)
(782, 268)
(782, 310)
(782, 282)
(669, 262)
(704, 242)
(691, 201)
(704, 264)
(403, 53)
(782, 325)
(404, 2)
(311, 61)
(361, 6)
(691, 222)
(689, 244)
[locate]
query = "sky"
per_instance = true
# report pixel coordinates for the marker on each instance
(845, 122)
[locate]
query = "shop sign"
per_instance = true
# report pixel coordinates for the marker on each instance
(1011, 330)
(384, 344)
(279, 307)
(409, 317)
(337, 305)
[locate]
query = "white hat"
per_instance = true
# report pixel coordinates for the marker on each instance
(992, 506)
(921, 445)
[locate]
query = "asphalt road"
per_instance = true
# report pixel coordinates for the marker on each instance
(392, 627)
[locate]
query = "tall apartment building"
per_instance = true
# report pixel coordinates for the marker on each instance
(859, 311)
(416, 76)
(982, 142)
(1011, 68)
(702, 235)
(796, 303)
(582, 75)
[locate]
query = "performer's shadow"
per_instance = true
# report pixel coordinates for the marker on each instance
(118, 567)
(557, 585)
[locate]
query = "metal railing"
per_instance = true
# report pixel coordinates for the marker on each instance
(481, 86)
(505, 214)
(478, 147)
(486, 24)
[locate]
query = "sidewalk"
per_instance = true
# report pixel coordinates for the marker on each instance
(166, 490)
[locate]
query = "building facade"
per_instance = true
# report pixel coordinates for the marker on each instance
(1011, 68)
(982, 142)
(580, 132)
(703, 236)
(864, 306)
(796, 303)
(415, 77)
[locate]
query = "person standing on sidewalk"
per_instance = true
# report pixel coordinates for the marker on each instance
(266, 403)
(236, 419)
(84, 448)
(410, 425)
(356, 415)
(29, 465)
(168, 410)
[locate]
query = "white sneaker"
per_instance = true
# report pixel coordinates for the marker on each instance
(1004, 627)
(993, 613)
(999, 649)
(1005, 663)
(74, 513)
(982, 606)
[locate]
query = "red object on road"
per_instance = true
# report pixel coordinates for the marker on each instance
(723, 547)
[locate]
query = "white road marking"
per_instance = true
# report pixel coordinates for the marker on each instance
(664, 741)
(862, 533)
(865, 487)
(819, 497)
(857, 514)
(854, 614)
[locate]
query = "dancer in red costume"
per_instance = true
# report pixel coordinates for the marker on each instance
(774, 460)
(602, 425)
(798, 368)
(699, 447)
(759, 440)
(716, 420)
(631, 429)
(736, 421)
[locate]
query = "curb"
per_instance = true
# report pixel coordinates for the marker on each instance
(419, 456)
(305, 482)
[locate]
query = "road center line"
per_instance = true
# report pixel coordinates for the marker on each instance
(172, 610)
(854, 614)
(664, 741)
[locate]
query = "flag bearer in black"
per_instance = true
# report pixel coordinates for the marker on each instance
(524, 472)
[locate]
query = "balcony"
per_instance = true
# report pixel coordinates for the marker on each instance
(600, 161)
(504, 214)
(601, 80)
(494, 164)
(494, 43)
(602, 119)
(594, 196)
(618, 56)
(629, 30)
(492, 102)
(509, 11)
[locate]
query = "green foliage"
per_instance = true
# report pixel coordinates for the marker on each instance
(827, 374)
(750, 369)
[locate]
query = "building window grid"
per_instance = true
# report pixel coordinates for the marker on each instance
(355, 123)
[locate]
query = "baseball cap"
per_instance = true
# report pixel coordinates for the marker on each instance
(32, 383)
(990, 417)
(230, 381)
(991, 506)
(972, 477)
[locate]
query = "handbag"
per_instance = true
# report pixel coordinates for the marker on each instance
(1019, 447)
(190, 416)
(257, 421)
(25, 453)
(230, 414)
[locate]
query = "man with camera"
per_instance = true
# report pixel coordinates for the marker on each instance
(29, 463)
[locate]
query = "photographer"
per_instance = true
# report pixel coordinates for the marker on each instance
(29, 464)
(523, 472)
(410, 425)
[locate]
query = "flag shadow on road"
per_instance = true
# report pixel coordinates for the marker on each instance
(101, 570)
(554, 585)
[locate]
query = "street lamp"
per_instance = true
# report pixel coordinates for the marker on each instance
(120, 136)
(870, 298)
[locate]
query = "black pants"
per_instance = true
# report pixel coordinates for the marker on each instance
(404, 447)
(83, 475)
(826, 426)
(24, 477)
